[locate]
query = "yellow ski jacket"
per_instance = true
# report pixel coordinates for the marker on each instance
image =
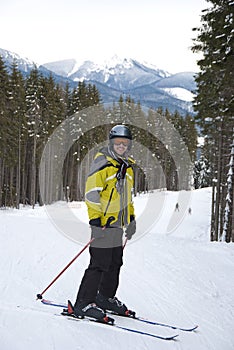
(105, 195)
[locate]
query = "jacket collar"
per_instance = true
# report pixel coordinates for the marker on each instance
(114, 160)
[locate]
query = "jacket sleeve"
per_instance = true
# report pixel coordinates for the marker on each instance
(94, 185)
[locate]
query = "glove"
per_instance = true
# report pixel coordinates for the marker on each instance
(96, 230)
(131, 229)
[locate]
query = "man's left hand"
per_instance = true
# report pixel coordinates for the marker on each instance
(131, 229)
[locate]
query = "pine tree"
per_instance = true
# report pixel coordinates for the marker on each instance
(215, 93)
(4, 127)
(202, 172)
(228, 227)
(190, 135)
(34, 121)
(81, 98)
(17, 129)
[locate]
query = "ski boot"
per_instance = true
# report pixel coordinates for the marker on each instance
(91, 311)
(114, 306)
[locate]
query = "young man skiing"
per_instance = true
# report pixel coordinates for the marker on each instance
(110, 209)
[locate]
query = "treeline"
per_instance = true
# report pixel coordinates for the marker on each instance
(214, 104)
(30, 110)
(32, 107)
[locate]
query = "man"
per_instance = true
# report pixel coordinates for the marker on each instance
(110, 209)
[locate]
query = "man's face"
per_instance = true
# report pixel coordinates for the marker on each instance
(120, 145)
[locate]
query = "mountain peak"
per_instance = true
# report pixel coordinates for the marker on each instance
(116, 60)
(24, 64)
(64, 67)
(108, 66)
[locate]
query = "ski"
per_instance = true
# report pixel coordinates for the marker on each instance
(137, 318)
(191, 329)
(126, 329)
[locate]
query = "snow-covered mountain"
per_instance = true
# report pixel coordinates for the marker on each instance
(119, 73)
(144, 82)
(24, 64)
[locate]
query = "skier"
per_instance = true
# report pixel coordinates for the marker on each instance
(177, 207)
(109, 202)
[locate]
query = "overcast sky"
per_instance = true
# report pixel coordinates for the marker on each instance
(156, 31)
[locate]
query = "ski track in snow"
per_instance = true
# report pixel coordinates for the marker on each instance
(178, 278)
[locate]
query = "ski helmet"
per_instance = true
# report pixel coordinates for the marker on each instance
(120, 131)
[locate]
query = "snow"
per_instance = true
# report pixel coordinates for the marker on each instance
(108, 67)
(179, 278)
(180, 93)
(200, 141)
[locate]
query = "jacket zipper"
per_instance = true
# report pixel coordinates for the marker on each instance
(111, 194)
(124, 205)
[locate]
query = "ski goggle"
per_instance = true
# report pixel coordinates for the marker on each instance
(118, 141)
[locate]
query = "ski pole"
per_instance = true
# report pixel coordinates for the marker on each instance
(125, 242)
(39, 296)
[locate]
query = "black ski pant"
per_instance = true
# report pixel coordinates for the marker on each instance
(102, 274)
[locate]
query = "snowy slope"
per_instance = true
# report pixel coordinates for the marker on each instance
(177, 278)
(180, 93)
